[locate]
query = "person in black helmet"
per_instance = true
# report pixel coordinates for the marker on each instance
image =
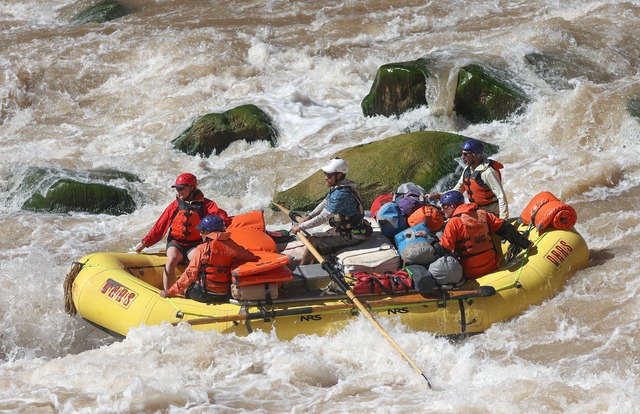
(481, 180)
(341, 208)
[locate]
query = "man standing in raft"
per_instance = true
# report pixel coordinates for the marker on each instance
(341, 208)
(481, 180)
(467, 235)
(208, 276)
(181, 218)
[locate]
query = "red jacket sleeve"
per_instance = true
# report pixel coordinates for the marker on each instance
(159, 229)
(212, 208)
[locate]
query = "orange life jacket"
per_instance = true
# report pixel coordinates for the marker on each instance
(477, 239)
(187, 217)
(428, 215)
(215, 271)
(477, 190)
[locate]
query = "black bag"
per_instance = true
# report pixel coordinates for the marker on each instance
(423, 281)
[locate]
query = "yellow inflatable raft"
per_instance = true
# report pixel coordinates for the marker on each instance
(119, 291)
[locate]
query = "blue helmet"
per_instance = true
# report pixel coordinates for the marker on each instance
(473, 145)
(211, 223)
(452, 197)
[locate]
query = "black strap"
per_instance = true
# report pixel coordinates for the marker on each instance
(202, 280)
(267, 294)
(377, 281)
(397, 281)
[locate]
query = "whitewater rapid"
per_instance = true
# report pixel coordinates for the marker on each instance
(113, 96)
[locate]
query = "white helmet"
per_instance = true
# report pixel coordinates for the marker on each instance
(336, 165)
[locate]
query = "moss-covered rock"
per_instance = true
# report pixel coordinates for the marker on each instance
(398, 87)
(485, 94)
(67, 195)
(100, 12)
(63, 190)
(213, 133)
(424, 157)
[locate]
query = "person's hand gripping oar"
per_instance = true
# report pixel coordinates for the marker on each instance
(339, 280)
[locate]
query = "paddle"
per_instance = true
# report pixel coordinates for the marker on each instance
(337, 278)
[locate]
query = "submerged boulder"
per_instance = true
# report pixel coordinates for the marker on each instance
(425, 158)
(557, 68)
(397, 88)
(213, 133)
(63, 191)
(99, 12)
(486, 94)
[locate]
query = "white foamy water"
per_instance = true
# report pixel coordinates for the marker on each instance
(114, 95)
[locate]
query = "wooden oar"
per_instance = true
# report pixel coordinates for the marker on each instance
(336, 277)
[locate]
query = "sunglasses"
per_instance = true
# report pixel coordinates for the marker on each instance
(466, 154)
(179, 187)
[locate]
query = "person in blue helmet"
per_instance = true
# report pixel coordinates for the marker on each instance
(342, 208)
(467, 235)
(207, 278)
(481, 180)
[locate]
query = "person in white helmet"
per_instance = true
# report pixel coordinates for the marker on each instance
(342, 208)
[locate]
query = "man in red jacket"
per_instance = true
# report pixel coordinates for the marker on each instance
(468, 235)
(180, 218)
(208, 276)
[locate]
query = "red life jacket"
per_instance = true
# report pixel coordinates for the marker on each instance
(215, 271)
(187, 217)
(477, 190)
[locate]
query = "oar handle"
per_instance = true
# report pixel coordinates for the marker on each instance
(295, 216)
